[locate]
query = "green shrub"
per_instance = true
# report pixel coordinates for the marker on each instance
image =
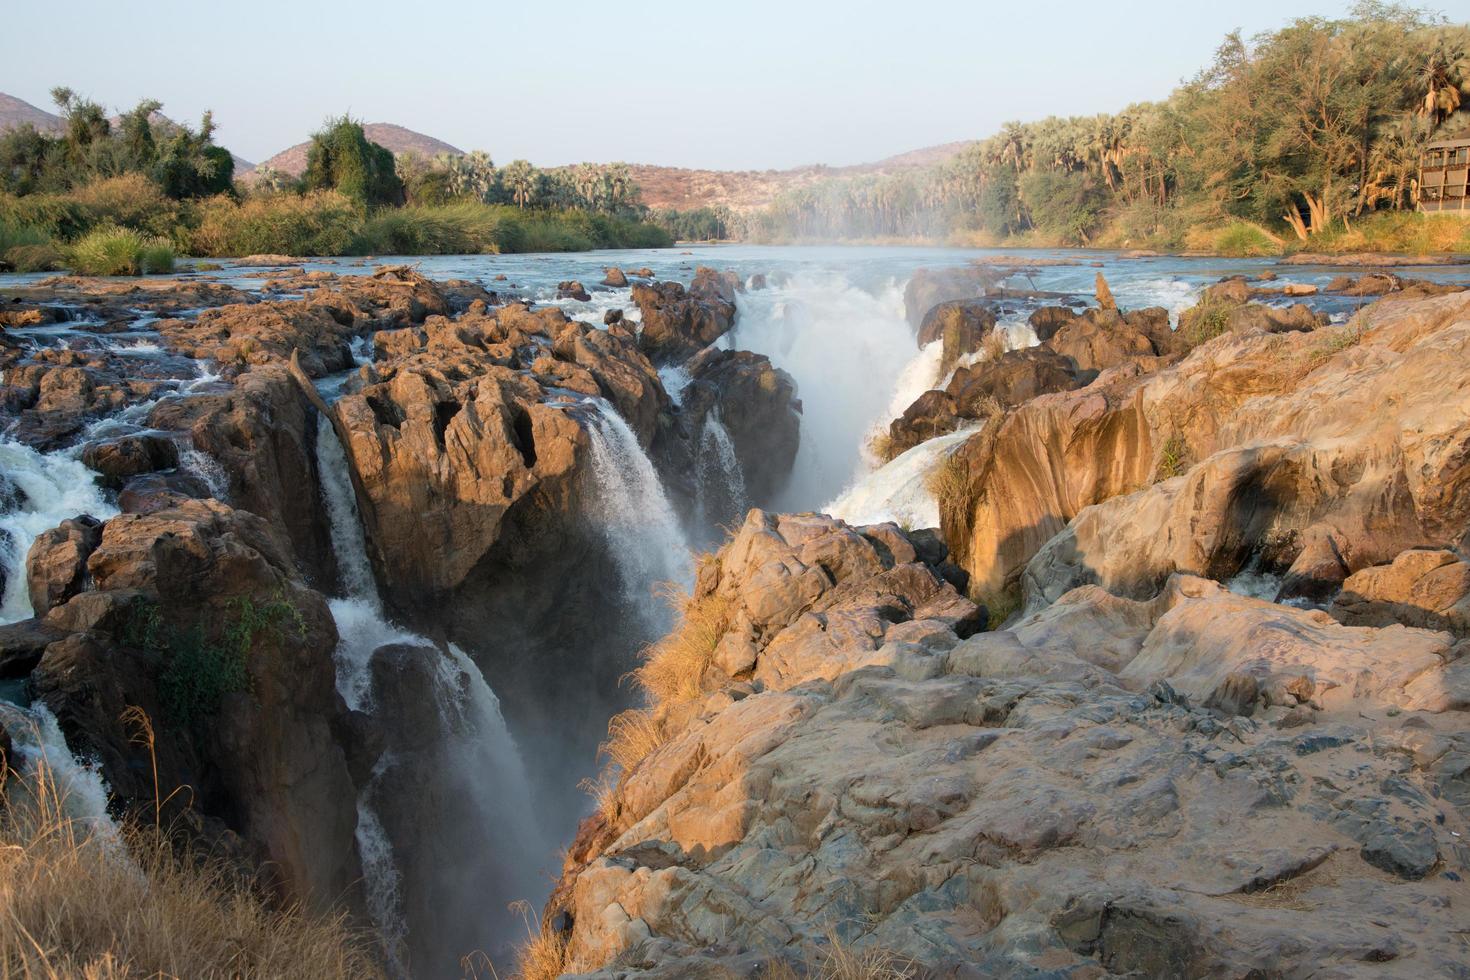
(1206, 321)
(1173, 457)
(113, 251)
(58, 215)
(25, 248)
(129, 201)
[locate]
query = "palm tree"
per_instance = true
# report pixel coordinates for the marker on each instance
(1441, 76)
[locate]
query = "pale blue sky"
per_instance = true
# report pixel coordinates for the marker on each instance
(750, 84)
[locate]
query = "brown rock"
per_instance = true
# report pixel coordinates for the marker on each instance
(1105, 299)
(1427, 588)
(56, 565)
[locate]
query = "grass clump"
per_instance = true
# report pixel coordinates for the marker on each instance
(1206, 321)
(83, 900)
(27, 248)
(949, 482)
(1244, 239)
(111, 250)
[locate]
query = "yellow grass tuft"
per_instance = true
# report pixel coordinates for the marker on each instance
(673, 668)
(79, 901)
(542, 955)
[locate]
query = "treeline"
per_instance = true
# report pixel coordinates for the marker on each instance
(121, 196)
(1298, 133)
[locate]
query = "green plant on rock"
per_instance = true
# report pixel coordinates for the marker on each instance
(1173, 457)
(1206, 321)
(199, 671)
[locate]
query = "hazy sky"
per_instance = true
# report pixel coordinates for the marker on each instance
(751, 84)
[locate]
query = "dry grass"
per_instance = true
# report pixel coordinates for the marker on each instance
(839, 960)
(673, 668)
(79, 901)
(994, 345)
(880, 445)
(543, 955)
(1173, 457)
(949, 482)
(673, 672)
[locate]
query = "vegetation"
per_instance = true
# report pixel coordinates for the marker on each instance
(1310, 134)
(83, 901)
(144, 179)
(1173, 457)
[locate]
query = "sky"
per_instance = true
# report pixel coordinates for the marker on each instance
(749, 85)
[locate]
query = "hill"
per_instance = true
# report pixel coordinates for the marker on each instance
(746, 190)
(17, 112)
(396, 138)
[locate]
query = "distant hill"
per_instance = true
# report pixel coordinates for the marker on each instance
(396, 138)
(15, 112)
(747, 190)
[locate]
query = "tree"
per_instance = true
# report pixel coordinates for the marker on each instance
(342, 158)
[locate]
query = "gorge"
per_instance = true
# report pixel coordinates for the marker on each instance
(965, 613)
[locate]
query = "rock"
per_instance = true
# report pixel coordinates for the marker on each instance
(756, 404)
(1105, 299)
(1318, 570)
(1427, 588)
(572, 289)
(56, 565)
(1299, 289)
(998, 800)
(128, 456)
(927, 288)
(614, 277)
(262, 434)
(611, 317)
(260, 333)
(1271, 433)
(1100, 339)
(960, 325)
(678, 323)
(1049, 319)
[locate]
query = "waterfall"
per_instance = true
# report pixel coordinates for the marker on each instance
(720, 487)
(38, 742)
(37, 492)
(845, 346)
(479, 762)
(900, 490)
(632, 510)
(208, 470)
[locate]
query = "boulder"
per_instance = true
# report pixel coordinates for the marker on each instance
(960, 325)
(614, 277)
(572, 289)
(927, 288)
(756, 405)
(1049, 319)
(1424, 587)
(56, 565)
(128, 456)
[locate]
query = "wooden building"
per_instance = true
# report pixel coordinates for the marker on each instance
(1444, 177)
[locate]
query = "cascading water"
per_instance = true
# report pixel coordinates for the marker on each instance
(842, 344)
(900, 490)
(720, 487)
(476, 757)
(632, 510)
(37, 492)
(39, 745)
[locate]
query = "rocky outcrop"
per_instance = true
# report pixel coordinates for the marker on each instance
(196, 616)
(960, 325)
(927, 288)
(1198, 784)
(1104, 338)
(1278, 433)
(465, 423)
(1423, 587)
(756, 404)
(679, 322)
(54, 393)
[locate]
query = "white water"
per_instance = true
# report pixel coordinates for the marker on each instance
(899, 491)
(208, 470)
(720, 487)
(40, 746)
(846, 348)
(49, 489)
(628, 503)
